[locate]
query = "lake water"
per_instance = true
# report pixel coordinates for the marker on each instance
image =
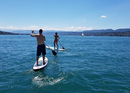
(89, 64)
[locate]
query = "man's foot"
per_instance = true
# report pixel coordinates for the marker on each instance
(37, 63)
(44, 63)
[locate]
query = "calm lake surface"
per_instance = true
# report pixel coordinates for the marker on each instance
(89, 64)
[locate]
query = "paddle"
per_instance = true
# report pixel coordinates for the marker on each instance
(61, 45)
(53, 51)
(34, 32)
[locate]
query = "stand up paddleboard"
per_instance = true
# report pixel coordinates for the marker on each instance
(52, 48)
(40, 64)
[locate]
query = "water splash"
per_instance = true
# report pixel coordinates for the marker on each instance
(45, 81)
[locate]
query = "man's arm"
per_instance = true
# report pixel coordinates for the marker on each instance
(32, 34)
(58, 37)
(44, 39)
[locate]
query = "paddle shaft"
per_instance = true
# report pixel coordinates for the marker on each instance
(61, 45)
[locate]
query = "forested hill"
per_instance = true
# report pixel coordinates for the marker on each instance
(126, 33)
(9, 33)
(108, 32)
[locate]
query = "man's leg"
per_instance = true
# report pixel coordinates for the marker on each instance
(44, 60)
(37, 60)
(57, 45)
(54, 45)
(43, 53)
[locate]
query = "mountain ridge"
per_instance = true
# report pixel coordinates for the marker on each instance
(98, 32)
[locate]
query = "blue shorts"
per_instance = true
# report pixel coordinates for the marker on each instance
(41, 49)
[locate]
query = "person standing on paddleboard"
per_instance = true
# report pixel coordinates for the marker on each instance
(56, 40)
(40, 45)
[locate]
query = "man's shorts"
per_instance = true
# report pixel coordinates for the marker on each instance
(41, 49)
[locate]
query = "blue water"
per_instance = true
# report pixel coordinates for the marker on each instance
(89, 64)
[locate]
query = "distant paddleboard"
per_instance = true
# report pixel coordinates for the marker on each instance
(52, 48)
(40, 64)
(47, 47)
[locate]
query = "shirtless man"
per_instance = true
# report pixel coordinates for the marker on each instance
(56, 40)
(40, 45)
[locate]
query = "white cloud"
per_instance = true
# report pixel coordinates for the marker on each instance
(103, 16)
(71, 28)
(80, 28)
(19, 28)
(9, 27)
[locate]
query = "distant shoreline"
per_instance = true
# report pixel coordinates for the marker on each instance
(106, 32)
(10, 33)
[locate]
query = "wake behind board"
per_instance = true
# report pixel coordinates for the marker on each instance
(40, 64)
(52, 48)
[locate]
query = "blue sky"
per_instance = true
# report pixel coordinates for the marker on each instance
(64, 14)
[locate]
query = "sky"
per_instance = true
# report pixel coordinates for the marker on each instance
(67, 15)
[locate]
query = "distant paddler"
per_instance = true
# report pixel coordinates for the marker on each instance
(40, 45)
(56, 40)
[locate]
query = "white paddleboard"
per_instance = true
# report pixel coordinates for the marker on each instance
(52, 48)
(40, 64)
(47, 47)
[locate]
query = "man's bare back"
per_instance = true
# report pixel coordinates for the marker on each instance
(40, 39)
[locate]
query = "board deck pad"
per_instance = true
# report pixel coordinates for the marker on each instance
(40, 64)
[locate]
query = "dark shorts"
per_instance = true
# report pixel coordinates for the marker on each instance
(41, 49)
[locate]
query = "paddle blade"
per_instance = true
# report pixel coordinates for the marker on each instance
(54, 53)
